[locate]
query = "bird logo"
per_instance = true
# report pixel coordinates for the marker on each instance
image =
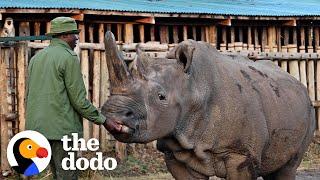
(29, 153)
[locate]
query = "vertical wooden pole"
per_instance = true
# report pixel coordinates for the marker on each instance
(4, 108)
(279, 38)
(232, 39)
(164, 34)
(232, 35)
(302, 47)
(185, 33)
(101, 33)
(310, 39)
(294, 64)
(203, 33)
(272, 38)
(318, 91)
(152, 33)
(37, 30)
(240, 34)
(175, 34)
(294, 36)
(109, 27)
(249, 40)
(311, 81)
(21, 84)
(90, 33)
(104, 94)
(194, 33)
(85, 74)
(128, 31)
(256, 39)
(264, 39)
(213, 35)
(207, 33)
(286, 36)
(303, 72)
(48, 26)
(119, 32)
(224, 35)
(316, 39)
(96, 88)
(141, 33)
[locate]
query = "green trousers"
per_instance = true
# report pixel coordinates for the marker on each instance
(55, 163)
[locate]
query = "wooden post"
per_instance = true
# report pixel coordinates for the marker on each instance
(286, 36)
(119, 32)
(96, 88)
(141, 33)
(213, 35)
(294, 36)
(279, 39)
(152, 33)
(37, 30)
(4, 108)
(232, 39)
(316, 39)
(272, 37)
(318, 91)
(109, 27)
(185, 33)
(175, 34)
(48, 25)
(128, 31)
(194, 33)
(203, 33)
(90, 33)
(240, 34)
(21, 84)
(303, 72)
(85, 74)
(256, 39)
(302, 47)
(293, 64)
(311, 81)
(207, 34)
(249, 40)
(284, 65)
(264, 38)
(101, 33)
(224, 35)
(310, 39)
(164, 34)
(104, 94)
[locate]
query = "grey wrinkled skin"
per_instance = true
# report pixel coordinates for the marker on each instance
(214, 114)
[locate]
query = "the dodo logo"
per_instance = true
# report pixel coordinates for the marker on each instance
(29, 153)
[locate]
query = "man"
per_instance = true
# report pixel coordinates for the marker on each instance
(56, 95)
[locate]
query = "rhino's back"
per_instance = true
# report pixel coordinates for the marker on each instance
(279, 107)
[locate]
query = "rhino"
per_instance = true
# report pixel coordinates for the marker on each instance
(211, 114)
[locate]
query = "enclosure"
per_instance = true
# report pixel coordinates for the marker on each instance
(290, 40)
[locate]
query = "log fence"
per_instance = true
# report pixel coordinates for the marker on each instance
(295, 49)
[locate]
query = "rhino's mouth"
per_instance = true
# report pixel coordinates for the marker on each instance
(117, 127)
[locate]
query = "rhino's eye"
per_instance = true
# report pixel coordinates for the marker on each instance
(161, 96)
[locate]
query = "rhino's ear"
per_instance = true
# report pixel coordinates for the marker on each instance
(184, 56)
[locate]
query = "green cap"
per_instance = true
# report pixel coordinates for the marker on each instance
(63, 25)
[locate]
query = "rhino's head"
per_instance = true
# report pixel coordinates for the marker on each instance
(146, 103)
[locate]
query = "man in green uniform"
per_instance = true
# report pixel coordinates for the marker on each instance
(56, 95)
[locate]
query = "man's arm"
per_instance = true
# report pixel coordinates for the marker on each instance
(77, 92)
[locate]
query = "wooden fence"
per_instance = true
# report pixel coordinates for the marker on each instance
(13, 74)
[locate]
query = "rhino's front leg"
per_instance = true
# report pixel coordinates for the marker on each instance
(179, 171)
(239, 167)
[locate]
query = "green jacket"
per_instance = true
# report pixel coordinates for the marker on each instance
(56, 95)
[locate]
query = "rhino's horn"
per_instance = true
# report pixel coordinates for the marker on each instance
(119, 75)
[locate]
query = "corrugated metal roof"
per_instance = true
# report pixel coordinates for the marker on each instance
(220, 7)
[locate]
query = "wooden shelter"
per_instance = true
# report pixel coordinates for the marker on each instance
(286, 33)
